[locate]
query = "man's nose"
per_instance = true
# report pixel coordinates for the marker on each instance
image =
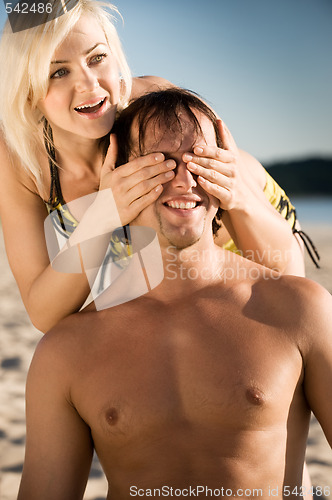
(86, 81)
(183, 179)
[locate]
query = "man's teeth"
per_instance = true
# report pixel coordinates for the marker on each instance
(90, 105)
(183, 205)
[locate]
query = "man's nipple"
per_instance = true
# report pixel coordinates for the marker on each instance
(112, 416)
(255, 396)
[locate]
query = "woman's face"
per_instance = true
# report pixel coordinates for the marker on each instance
(84, 86)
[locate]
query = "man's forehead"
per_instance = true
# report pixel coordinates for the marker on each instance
(159, 136)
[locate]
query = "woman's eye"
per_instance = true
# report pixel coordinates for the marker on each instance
(98, 58)
(59, 73)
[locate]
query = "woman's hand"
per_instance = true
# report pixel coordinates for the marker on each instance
(136, 184)
(219, 171)
(237, 180)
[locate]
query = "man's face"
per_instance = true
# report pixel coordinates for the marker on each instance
(184, 211)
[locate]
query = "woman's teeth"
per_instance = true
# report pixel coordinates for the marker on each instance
(90, 108)
(182, 205)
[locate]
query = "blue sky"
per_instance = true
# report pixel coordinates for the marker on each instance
(264, 65)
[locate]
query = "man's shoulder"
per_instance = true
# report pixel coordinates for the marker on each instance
(299, 290)
(298, 304)
(289, 297)
(64, 342)
(289, 288)
(52, 360)
(77, 334)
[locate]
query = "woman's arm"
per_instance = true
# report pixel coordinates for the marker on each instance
(238, 181)
(47, 295)
(148, 83)
(258, 229)
(50, 295)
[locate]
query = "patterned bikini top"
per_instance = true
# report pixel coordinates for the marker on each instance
(65, 223)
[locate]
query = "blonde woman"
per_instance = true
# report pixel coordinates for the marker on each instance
(65, 80)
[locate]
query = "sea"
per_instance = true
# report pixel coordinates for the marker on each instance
(313, 210)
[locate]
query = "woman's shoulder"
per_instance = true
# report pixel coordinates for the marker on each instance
(13, 175)
(4, 150)
(9, 164)
(148, 83)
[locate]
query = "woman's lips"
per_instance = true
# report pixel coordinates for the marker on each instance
(92, 110)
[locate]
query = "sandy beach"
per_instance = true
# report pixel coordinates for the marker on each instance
(18, 339)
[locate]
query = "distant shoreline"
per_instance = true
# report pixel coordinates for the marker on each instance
(307, 177)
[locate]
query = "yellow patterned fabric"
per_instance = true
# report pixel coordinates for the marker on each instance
(64, 222)
(279, 200)
(62, 219)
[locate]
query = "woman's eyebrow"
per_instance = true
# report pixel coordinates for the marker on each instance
(86, 53)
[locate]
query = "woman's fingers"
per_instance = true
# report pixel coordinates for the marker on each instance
(141, 162)
(111, 155)
(227, 140)
(147, 172)
(142, 177)
(211, 174)
(199, 165)
(131, 210)
(223, 194)
(211, 157)
(139, 204)
(204, 153)
(140, 169)
(147, 185)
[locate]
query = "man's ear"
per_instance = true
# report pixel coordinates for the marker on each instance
(218, 127)
(217, 222)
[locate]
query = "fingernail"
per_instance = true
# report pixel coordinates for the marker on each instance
(158, 188)
(198, 151)
(201, 179)
(187, 157)
(169, 174)
(192, 166)
(170, 164)
(159, 157)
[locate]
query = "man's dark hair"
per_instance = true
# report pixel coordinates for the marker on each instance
(163, 109)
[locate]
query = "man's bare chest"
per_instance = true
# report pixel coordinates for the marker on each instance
(189, 369)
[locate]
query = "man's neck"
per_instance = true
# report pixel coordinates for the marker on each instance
(189, 270)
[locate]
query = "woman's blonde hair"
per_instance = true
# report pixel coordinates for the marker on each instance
(26, 55)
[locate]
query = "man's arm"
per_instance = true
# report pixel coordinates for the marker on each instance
(318, 357)
(59, 447)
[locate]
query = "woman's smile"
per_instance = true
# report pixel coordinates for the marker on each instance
(95, 109)
(83, 84)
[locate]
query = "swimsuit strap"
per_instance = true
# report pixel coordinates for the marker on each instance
(119, 248)
(309, 244)
(285, 206)
(55, 190)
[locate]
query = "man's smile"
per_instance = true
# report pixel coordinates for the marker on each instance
(185, 206)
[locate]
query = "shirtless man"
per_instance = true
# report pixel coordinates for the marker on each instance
(201, 387)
